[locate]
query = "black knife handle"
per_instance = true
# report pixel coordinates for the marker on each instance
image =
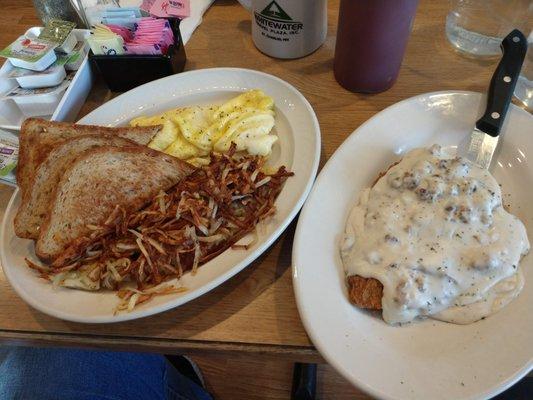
(503, 82)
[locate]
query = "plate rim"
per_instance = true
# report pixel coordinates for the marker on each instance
(363, 386)
(186, 297)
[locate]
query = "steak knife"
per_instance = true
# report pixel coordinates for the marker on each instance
(484, 138)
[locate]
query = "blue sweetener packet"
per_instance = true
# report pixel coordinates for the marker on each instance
(123, 11)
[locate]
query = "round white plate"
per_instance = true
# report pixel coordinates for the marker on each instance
(423, 360)
(298, 148)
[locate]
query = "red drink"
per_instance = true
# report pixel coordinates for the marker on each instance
(371, 40)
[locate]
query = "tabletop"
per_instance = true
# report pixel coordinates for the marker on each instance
(255, 311)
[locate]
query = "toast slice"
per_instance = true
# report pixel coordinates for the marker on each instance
(94, 184)
(39, 136)
(34, 207)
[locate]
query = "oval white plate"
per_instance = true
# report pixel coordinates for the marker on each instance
(430, 359)
(298, 148)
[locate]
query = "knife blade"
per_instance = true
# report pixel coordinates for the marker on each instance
(482, 147)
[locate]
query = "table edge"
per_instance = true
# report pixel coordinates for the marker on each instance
(162, 346)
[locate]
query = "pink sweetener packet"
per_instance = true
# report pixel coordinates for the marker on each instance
(140, 46)
(150, 36)
(146, 21)
(145, 28)
(121, 31)
(144, 49)
(149, 27)
(171, 8)
(154, 30)
(146, 5)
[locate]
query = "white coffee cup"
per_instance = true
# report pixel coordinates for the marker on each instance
(288, 28)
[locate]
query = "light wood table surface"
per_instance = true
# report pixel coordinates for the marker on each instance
(254, 312)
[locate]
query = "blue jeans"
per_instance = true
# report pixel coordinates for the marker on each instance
(72, 374)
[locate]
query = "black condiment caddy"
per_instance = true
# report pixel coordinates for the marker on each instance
(124, 72)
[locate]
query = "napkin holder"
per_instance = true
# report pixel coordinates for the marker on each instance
(124, 72)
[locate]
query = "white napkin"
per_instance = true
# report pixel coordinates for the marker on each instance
(189, 24)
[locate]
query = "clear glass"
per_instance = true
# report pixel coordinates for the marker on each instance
(524, 87)
(477, 27)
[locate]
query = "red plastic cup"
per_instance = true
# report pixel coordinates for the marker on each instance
(371, 40)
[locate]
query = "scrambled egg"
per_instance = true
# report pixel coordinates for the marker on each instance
(192, 133)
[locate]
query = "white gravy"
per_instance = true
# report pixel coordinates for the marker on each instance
(434, 232)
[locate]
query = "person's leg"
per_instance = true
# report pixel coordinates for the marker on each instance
(61, 374)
